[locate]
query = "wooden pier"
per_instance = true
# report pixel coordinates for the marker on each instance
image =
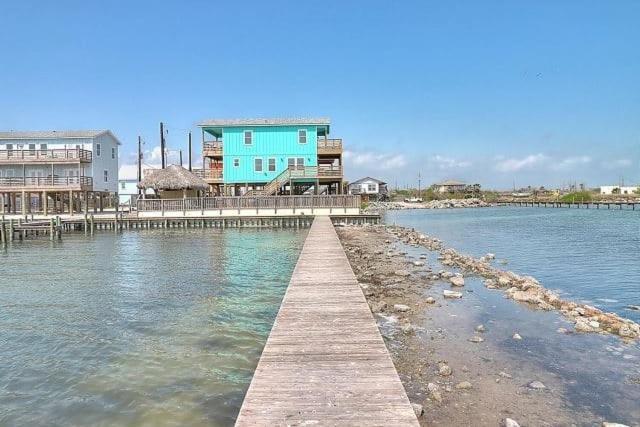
(54, 227)
(325, 362)
(576, 205)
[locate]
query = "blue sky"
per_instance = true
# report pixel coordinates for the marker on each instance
(496, 92)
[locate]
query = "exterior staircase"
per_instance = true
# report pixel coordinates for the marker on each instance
(272, 187)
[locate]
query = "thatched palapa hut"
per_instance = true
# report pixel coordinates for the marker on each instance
(173, 182)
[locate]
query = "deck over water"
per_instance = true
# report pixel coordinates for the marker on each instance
(325, 362)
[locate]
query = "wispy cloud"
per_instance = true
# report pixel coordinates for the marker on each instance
(445, 163)
(383, 161)
(518, 164)
(570, 162)
(617, 164)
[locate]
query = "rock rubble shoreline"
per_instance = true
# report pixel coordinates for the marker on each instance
(525, 289)
(433, 204)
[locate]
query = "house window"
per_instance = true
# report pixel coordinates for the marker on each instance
(291, 163)
(113, 153)
(271, 166)
(371, 188)
(123, 185)
(106, 175)
(302, 136)
(43, 147)
(258, 165)
(248, 137)
(300, 163)
(32, 147)
(236, 163)
(98, 149)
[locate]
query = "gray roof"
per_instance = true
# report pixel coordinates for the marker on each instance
(324, 121)
(55, 134)
(367, 178)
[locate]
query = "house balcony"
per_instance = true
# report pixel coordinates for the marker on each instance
(211, 176)
(63, 155)
(212, 149)
(330, 171)
(46, 183)
(329, 147)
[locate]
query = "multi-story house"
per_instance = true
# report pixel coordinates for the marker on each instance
(271, 157)
(57, 171)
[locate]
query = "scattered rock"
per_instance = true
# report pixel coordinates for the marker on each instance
(457, 281)
(401, 308)
(505, 375)
(480, 328)
(476, 339)
(434, 392)
(490, 256)
(418, 409)
(633, 307)
(418, 263)
(444, 369)
(423, 257)
(536, 385)
(401, 273)
(464, 385)
(430, 300)
(517, 336)
(452, 294)
(562, 330)
(508, 422)
(608, 424)
(407, 329)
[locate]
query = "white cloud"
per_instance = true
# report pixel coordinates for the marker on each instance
(380, 160)
(443, 163)
(515, 165)
(571, 162)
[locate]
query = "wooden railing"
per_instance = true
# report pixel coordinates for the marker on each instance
(46, 181)
(260, 202)
(208, 173)
(212, 148)
(329, 146)
(63, 154)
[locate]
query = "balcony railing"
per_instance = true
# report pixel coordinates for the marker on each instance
(325, 171)
(212, 148)
(45, 156)
(75, 182)
(212, 174)
(329, 146)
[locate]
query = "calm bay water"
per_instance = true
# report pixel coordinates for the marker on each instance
(591, 255)
(143, 328)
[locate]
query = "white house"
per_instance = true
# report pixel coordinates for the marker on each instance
(369, 186)
(65, 167)
(128, 184)
(618, 189)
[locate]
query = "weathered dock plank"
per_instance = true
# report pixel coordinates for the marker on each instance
(325, 362)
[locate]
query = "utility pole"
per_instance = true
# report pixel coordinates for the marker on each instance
(189, 151)
(139, 163)
(162, 144)
(419, 185)
(180, 157)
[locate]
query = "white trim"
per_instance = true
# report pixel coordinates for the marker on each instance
(306, 136)
(244, 136)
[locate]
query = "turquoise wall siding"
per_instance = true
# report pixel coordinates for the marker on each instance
(279, 142)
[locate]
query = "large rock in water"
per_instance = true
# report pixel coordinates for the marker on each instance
(508, 422)
(401, 308)
(401, 273)
(457, 281)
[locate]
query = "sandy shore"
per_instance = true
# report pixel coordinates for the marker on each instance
(480, 359)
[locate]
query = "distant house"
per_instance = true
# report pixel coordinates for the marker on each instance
(618, 189)
(371, 187)
(449, 186)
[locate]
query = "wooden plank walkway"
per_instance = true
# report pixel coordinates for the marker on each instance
(325, 362)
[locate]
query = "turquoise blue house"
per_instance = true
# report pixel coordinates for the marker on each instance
(271, 157)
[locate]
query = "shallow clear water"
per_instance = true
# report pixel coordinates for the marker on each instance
(141, 328)
(592, 256)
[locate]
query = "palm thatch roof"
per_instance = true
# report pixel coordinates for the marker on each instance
(173, 177)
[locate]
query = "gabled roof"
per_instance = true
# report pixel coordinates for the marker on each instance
(367, 178)
(55, 134)
(322, 121)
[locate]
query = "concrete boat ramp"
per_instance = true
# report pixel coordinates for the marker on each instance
(325, 362)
